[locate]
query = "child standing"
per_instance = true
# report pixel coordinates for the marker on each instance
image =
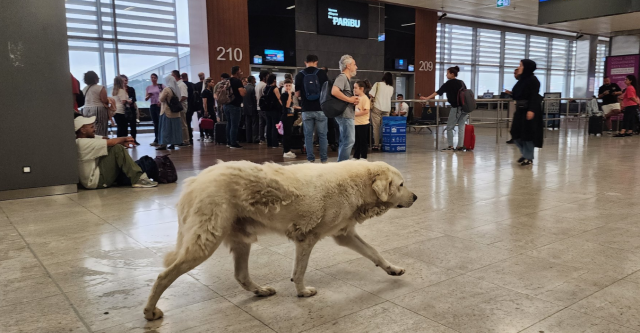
(362, 120)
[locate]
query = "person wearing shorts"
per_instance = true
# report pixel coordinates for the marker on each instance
(609, 93)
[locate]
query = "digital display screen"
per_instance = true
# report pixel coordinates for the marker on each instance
(274, 55)
(411, 68)
(401, 64)
(343, 18)
(257, 60)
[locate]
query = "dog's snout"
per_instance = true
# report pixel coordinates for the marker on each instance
(415, 197)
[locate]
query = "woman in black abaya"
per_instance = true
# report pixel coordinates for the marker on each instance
(527, 128)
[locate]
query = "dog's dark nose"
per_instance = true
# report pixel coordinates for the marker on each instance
(415, 197)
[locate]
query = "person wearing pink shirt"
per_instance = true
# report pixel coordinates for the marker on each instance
(630, 101)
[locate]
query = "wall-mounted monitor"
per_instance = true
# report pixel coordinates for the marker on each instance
(274, 55)
(343, 18)
(411, 68)
(401, 64)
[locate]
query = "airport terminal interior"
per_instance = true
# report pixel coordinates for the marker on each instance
(499, 239)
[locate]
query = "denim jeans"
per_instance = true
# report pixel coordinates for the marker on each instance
(459, 118)
(232, 113)
(347, 137)
(526, 148)
(317, 120)
(154, 110)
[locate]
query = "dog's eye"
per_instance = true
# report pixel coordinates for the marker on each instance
(402, 184)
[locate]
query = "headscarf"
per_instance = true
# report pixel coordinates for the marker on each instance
(170, 82)
(529, 67)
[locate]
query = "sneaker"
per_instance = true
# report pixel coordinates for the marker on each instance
(184, 144)
(208, 140)
(262, 142)
(521, 159)
(448, 149)
(172, 147)
(161, 148)
(154, 144)
(526, 162)
(228, 146)
(144, 182)
(236, 146)
(461, 149)
(289, 155)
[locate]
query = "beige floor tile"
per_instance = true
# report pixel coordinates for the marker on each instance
(635, 277)
(569, 321)
(560, 227)
(382, 318)
(143, 218)
(70, 248)
(271, 240)
(363, 274)
(215, 315)
(155, 236)
(614, 236)
(123, 301)
(44, 233)
(101, 268)
(51, 314)
(466, 304)
(325, 253)
(9, 234)
(285, 312)
(21, 264)
(447, 222)
(12, 249)
(456, 254)
(577, 253)
(508, 237)
(264, 266)
(27, 288)
(387, 235)
(619, 303)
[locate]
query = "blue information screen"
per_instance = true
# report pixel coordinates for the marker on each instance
(274, 55)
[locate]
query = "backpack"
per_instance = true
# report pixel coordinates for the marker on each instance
(166, 170)
(174, 103)
(267, 99)
(466, 99)
(148, 166)
(224, 93)
(331, 106)
(312, 87)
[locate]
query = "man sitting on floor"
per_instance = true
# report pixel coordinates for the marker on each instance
(103, 162)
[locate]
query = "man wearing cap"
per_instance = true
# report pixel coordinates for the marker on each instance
(102, 162)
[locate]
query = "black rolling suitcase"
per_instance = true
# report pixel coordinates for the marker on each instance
(220, 133)
(595, 125)
(297, 139)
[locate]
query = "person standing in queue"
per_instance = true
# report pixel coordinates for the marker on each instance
(273, 111)
(233, 111)
(527, 129)
(209, 108)
(381, 94)
(346, 121)
(609, 93)
(457, 117)
(96, 103)
(630, 101)
(170, 124)
(134, 117)
(153, 96)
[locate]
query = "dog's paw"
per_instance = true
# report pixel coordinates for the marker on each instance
(265, 291)
(307, 292)
(153, 315)
(394, 270)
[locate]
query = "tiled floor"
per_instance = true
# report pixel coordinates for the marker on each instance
(488, 247)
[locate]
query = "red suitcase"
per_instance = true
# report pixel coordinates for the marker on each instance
(469, 137)
(206, 124)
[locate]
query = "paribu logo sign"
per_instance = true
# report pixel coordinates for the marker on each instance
(342, 21)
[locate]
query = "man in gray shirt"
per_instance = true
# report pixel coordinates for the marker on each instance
(250, 111)
(342, 90)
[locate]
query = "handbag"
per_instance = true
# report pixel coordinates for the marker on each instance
(129, 111)
(331, 106)
(174, 103)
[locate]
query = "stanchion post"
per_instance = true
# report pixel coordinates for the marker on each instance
(437, 125)
(546, 118)
(498, 107)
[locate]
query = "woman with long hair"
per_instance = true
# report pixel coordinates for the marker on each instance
(153, 96)
(170, 123)
(381, 95)
(630, 101)
(209, 106)
(96, 103)
(528, 126)
(120, 95)
(457, 117)
(363, 108)
(274, 112)
(289, 115)
(134, 116)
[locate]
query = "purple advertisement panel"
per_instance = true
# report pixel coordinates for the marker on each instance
(619, 67)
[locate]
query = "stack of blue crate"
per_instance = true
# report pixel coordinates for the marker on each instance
(394, 134)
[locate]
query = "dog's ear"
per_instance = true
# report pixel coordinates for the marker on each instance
(381, 185)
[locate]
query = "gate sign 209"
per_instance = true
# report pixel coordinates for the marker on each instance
(343, 18)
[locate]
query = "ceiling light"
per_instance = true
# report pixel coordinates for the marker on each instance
(129, 8)
(406, 24)
(291, 7)
(442, 16)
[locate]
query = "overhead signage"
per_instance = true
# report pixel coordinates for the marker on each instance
(503, 3)
(618, 67)
(343, 18)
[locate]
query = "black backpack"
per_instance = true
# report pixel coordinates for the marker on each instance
(167, 172)
(174, 103)
(312, 89)
(267, 99)
(148, 166)
(331, 106)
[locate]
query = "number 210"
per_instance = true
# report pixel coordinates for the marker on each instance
(235, 55)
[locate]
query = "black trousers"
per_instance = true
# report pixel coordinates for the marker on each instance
(262, 125)
(333, 131)
(362, 141)
(154, 109)
(189, 120)
(287, 124)
(251, 124)
(630, 116)
(273, 118)
(123, 124)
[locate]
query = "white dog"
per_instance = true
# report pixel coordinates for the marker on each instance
(235, 202)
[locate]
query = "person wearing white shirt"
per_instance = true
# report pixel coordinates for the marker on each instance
(402, 108)
(382, 92)
(184, 96)
(102, 162)
(262, 117)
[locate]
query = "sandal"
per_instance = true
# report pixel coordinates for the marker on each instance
(526, 162)
(521, 159)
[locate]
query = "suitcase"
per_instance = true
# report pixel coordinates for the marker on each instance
(595, 125)
(469, 137)
(297, 139)
(220, 133)
(206, 123)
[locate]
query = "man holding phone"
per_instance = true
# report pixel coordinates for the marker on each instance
(609, 93)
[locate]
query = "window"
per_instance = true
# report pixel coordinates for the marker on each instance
(515, 46)
(152, 37)
(601, 57)
(488, 80)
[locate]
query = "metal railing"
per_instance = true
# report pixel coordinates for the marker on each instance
(500, 117)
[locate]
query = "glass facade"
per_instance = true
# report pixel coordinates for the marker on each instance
(488, 57)
(150, 36)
